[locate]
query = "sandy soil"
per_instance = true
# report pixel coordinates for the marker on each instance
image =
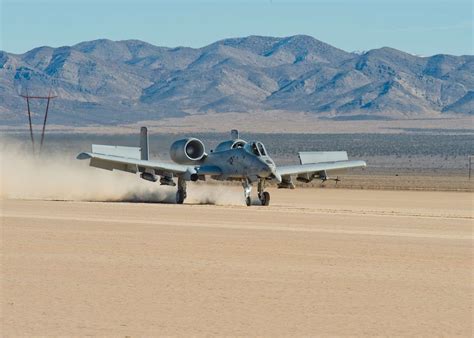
(316, 262)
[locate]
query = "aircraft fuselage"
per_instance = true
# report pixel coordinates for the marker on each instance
(239, 163)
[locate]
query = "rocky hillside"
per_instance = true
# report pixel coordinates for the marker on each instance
(109, 82)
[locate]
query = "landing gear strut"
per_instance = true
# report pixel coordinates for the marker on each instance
(263, 196)
(247, 190)
(181, 193)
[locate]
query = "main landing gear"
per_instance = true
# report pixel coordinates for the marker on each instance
(263, 196)
(181, 193)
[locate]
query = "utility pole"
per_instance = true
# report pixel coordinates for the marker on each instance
(28, 98)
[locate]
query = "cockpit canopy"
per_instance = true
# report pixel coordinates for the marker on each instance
(231, 144)
(256, 148)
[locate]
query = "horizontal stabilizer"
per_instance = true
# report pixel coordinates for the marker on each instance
(144, 151)
(119, 151)
(322, 156)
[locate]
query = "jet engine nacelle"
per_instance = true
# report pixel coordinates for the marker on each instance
(187, 151)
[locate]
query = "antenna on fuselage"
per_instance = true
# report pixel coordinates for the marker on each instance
(234, 134)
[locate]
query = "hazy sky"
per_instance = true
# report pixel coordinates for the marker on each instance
(423, 27)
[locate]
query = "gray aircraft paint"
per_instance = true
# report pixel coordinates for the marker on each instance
(234, 159)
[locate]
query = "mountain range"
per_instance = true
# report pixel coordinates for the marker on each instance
(116, 82)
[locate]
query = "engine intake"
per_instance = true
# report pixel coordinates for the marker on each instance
(187, 151)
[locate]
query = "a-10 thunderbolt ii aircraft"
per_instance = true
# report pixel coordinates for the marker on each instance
(232, 160)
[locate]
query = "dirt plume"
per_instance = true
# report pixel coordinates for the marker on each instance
(60, 176)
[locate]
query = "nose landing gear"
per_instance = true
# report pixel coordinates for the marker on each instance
(263, 196)
(247, 190)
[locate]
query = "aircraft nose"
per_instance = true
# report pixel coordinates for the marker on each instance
(267, 168)
(270, 170)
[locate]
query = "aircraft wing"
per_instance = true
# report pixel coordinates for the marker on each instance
(309, 168)
(130, 164)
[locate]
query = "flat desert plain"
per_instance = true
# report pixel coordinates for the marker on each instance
(315, 262)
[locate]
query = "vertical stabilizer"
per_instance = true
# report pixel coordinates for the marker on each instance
(144, 153)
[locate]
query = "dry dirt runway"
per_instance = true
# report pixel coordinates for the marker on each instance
(316, 262)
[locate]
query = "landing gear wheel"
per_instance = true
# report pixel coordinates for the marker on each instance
(248, 201)
(265, 198)
(263, 195)
(180, 196)
(247, 190)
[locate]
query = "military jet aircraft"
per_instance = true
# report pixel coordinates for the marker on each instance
(231, 160)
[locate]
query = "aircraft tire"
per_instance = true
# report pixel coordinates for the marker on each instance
(248, 201)
(180, 196)
(265, 198)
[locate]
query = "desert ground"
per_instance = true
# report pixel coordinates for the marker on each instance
(315, 262)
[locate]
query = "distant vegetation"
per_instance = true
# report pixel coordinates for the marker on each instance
(360, 145)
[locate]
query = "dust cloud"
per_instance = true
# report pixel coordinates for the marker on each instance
(60, 176)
